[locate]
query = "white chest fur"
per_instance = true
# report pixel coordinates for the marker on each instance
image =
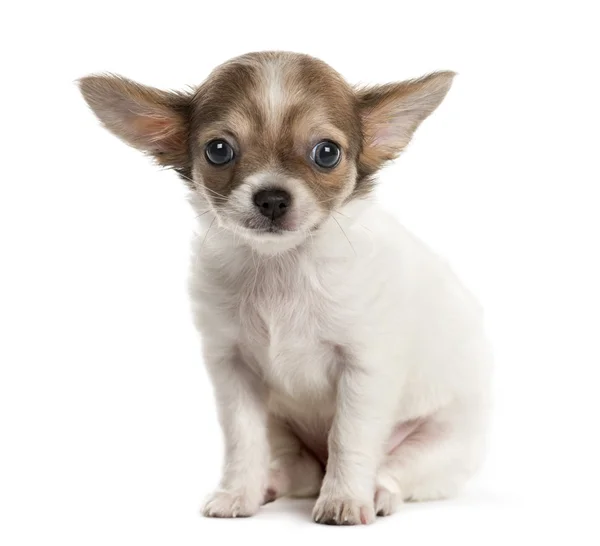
(280, 314)
(287, 331)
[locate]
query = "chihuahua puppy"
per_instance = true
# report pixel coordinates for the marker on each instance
(347, 360)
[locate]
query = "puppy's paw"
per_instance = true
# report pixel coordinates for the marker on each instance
(270, 495)
(230, 504)
(343, 511)
(386, 502)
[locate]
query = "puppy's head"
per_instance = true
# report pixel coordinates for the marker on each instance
(273, 142)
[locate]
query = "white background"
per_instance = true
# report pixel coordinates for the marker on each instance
(107, 427)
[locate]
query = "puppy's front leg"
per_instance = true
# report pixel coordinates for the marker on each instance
(366, 399)
(242, 413)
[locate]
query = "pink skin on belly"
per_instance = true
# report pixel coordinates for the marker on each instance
(401, 432)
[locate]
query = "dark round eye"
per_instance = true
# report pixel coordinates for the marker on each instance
(218, 152)
(326, 154)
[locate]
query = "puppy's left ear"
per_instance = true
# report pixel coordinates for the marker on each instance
(391, 113)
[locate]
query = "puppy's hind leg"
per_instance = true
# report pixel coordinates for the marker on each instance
(431, 463)
(294, 471)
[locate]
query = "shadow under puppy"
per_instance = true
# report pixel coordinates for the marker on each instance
(347, 360)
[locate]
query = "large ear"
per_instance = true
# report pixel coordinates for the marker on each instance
(391, 113)
(149, 119)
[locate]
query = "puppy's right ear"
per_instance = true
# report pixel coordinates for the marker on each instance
(151, 120)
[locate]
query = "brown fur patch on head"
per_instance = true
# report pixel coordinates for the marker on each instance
(273, 108)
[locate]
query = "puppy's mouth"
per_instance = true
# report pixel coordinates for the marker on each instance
(272, 229)
(266, 226)
(282, 231)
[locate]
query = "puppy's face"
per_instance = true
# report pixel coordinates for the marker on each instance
(273, 142)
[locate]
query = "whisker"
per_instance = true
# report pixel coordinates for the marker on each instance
(207, 232)
(187, 178)
(350, 218)
(205, 212)
(214, 192)
(236, 236)
(203, 187)
(256, 270)
(309, 233)
(325, 201)
(338, 212)
(347, 239)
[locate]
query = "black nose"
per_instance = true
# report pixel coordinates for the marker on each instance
(272, 203)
